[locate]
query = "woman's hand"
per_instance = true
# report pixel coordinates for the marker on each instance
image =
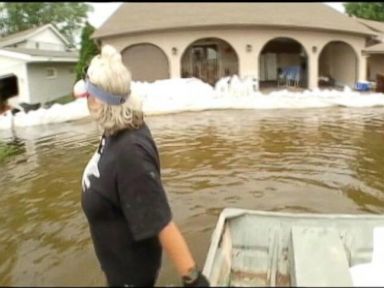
(199, 281)
(175, 246)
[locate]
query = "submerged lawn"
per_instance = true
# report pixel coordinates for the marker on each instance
(8, 150)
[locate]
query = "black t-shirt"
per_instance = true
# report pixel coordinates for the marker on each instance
(126, 206)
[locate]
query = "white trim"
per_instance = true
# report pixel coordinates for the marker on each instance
(51, 59)
(16, 55)
(26, 85)
(59, 34)
(25, 37)
(30, 58)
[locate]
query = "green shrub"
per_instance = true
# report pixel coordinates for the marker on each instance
(62, 100)
(88, 50)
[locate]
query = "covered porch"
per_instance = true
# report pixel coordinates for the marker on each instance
(375, 66)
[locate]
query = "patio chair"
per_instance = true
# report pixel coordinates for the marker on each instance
(293, 76)
(282, 76)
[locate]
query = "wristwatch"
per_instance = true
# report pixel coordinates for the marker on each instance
(192, 275)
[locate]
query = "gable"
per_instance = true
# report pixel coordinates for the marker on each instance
(47, 36)
(46, 39)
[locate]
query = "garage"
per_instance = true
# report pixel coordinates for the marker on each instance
(146, 62)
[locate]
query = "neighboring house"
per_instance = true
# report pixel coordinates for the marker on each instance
(375, 50)
(213, 40)
(42, 63)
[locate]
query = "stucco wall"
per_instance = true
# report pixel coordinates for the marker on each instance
(313, 42)
(43, 89)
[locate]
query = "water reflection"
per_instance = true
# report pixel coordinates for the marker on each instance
(320, 161)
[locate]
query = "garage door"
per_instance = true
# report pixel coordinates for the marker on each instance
(8, 87)
(146, 62)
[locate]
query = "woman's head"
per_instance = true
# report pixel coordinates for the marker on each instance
(110, 101)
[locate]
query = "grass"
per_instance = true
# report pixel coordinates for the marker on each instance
(8, 150)
(62, 100)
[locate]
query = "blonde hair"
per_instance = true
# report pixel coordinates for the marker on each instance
(108, 72)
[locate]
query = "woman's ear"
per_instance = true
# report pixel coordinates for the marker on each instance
(79, 90)
(93, 102)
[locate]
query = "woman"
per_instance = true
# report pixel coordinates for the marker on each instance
(123, 198)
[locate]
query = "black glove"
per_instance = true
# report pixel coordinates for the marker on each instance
(200, 281)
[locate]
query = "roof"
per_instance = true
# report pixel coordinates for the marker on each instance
(140, 17)
(46, 53)
(375, 49)
(24, 35)
(375, 25)
(37, 55)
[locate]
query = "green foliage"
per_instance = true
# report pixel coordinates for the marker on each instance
(6, 151)
(366, 10)
(67, 17)
(87, 51)
(62, 100)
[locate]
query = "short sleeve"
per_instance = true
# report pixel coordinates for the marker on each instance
(141, 193)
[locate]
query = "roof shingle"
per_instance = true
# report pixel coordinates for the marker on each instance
(140, 17)
(376, 25)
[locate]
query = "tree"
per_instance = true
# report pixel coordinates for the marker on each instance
(366, 10)
(87, 51)
(67, 17)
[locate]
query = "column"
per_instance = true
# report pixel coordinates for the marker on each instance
(362, 70)
(174, 63)
(248, 60)
(313, 69)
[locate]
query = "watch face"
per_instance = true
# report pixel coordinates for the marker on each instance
(192, 276)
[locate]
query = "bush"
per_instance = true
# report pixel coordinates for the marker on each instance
(62, 100)
(87, 51)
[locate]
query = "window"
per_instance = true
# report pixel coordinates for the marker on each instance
(51, 73)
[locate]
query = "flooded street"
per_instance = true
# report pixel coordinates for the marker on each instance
(325, 160)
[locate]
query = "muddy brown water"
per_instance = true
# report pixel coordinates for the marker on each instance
(312, 160)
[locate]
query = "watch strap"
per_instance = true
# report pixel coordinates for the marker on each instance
(192, 276)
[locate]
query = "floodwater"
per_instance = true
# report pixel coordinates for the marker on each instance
(325, 160)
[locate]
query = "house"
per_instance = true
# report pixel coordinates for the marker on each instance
(40, 62)
(375, 51)
(213, 40)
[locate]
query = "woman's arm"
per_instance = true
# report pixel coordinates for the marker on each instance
(176, 247)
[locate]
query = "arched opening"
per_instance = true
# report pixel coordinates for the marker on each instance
(337, 65)
(375, 71)
(209, 59)
(146, 62)
(283, 62)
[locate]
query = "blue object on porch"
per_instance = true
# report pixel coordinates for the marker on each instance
(362, 86)
(290, 74)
